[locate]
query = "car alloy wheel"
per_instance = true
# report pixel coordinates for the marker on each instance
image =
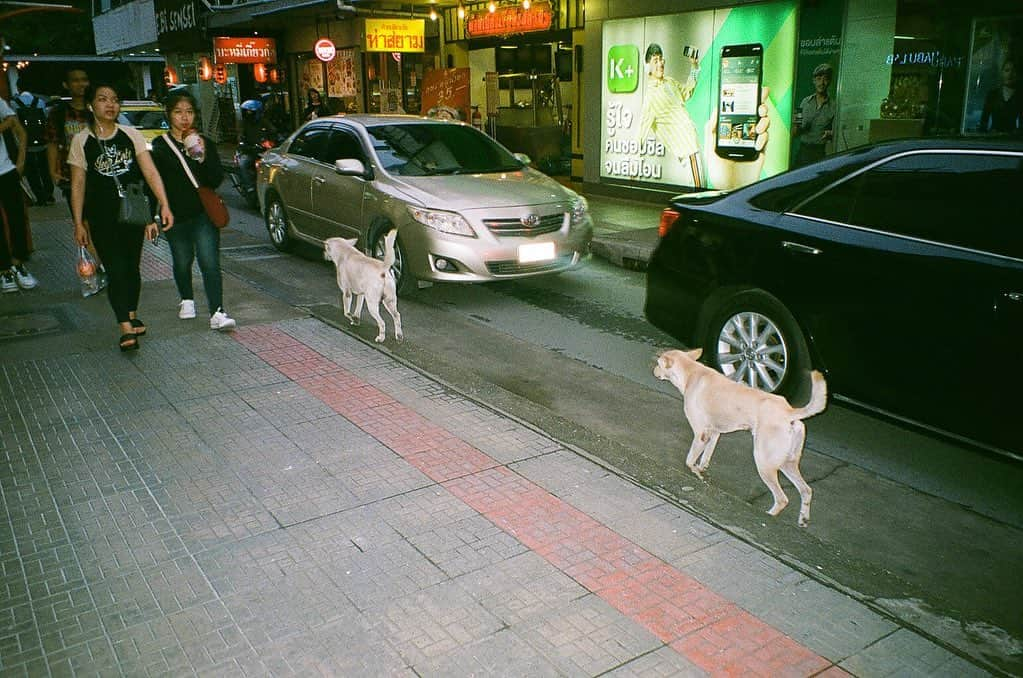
(751, 349)
(277, 225)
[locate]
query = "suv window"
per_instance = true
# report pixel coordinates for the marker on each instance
(311, 143)
(343, 145)
(959, 198)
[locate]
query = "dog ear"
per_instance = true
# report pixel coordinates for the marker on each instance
(695, 353)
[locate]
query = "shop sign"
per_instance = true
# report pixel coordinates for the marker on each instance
(509, 20)
(244, 50)
(324, 49)
(179, 25)
(395, 35)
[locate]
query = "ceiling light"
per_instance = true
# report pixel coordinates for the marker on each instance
(433, 14)
(525, 4)
(492, 7)
(461, 11)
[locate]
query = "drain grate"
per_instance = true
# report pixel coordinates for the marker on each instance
(250, 252)
(23, 325)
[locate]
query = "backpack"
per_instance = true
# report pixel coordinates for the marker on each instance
(33, 119)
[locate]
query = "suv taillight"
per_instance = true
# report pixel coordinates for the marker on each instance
(668, 219)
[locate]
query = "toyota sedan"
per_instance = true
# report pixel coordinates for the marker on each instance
(466, 209)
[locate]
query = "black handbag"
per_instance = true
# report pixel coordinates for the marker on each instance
(133, 206)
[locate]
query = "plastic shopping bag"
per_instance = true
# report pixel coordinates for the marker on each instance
(87, 273)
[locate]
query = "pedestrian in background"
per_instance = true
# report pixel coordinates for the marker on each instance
(14, 247)
(32, 114)
(315, 108)
(66, 119)
(815, 119)
(102, 156)
(193, 233)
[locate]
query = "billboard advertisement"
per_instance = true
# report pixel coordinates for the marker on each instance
(700, 99)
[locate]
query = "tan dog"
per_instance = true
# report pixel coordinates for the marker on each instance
(367, 279)
(714, 404)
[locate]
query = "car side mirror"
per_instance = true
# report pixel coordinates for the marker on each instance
(350, 167)
(523, 158)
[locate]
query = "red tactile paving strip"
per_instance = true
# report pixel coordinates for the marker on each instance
(708, 630)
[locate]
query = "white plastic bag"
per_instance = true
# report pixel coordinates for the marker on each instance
(87, 273)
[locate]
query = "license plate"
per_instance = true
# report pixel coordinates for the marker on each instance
(537, 251)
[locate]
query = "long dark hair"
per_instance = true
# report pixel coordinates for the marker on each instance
(175, 98)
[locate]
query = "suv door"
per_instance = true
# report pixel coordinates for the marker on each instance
(294, 178)
(337, 199)
(921, 285)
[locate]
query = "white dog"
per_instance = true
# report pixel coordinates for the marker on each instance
(366, 278)
(714, 404)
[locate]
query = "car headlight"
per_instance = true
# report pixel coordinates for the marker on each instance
(579, 210)
(445, 222)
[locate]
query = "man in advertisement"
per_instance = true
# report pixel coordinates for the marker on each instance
(664, 110)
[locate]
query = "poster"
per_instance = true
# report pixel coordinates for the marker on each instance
(341, 81)
(996, 61)
(445, 93)
(661, 84)
(311, 76)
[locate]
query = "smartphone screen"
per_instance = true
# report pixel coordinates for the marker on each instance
(738, 99)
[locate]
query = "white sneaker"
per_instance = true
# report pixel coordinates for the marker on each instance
(7, 282)
(23, 278)
(186, 309)
(221, 321)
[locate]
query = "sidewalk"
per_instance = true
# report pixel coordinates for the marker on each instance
(287, 499)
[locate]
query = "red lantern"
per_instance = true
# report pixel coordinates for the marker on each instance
(260, 72)
(205, 69)
(170, 76)
(276, 75)
(220, 74)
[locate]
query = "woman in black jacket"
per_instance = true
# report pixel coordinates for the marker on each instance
(193, 233)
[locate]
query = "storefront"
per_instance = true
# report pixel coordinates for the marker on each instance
(523, 72)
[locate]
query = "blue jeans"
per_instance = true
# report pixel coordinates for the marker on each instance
(189, 238)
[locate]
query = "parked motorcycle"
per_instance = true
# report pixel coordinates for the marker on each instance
(242, 171)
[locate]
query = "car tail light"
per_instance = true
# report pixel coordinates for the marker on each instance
(267, 144)
(668, 219)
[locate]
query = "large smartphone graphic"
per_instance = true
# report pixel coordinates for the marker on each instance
(742, 72)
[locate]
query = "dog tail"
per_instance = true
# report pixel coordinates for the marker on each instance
(389, 247)
(818, 398)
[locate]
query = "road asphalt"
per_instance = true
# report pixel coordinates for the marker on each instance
(289, 499)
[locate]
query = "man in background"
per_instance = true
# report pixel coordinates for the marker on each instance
(815, 119)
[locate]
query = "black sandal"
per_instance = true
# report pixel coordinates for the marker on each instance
(138, 326)
(128, 342)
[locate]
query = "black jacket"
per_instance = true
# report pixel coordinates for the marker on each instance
(183, 198)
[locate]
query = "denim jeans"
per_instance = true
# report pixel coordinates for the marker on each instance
(191, 238)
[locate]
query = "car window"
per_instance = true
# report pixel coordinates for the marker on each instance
(432, 149)
(954, 198)
(343, 145)
(144, 119)
(311, 142)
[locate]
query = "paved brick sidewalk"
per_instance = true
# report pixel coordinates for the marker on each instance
(288, 500)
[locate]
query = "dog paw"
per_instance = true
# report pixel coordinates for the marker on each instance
(804, 522)
(399, 337)
(776, 509)
(379, 339)
(697, 472)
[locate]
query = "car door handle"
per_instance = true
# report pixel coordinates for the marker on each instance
(319, 180)
(800, 248)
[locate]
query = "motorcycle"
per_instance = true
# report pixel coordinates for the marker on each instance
(244, 166)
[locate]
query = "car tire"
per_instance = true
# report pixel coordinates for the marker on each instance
(754, 339)
(277, 226)
(404, 281)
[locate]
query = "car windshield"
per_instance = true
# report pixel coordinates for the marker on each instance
(143, 119)
(429, 149)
